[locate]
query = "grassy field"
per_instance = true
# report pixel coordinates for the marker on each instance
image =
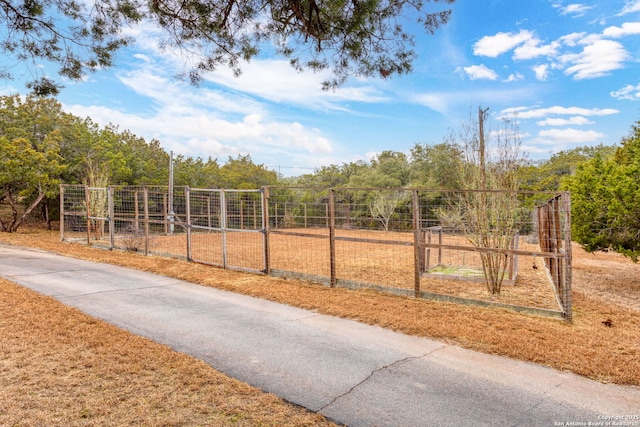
(60, 367)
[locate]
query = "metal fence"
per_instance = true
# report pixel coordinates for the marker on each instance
(444, 245)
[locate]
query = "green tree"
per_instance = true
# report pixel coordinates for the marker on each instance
(332, 176)
(431, 165)
(95, 154)
(147, 162)
(242, 173)
(366, 38)
(28, 172)
(197, 173)
(388, 169)
(605, 198)
(101, 156)
(548, 175)
(40, 122)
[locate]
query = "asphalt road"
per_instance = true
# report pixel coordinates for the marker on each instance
(354, 374)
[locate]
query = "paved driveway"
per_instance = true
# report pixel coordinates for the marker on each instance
(354, 374)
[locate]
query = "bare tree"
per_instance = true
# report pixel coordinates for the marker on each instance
(487, 209)
(385, 204)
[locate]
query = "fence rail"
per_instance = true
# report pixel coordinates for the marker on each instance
(444, 245)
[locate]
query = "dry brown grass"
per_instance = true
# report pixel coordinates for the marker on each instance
(587, 346)
(59, 366)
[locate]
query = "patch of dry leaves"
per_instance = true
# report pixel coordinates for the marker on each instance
(84, 361)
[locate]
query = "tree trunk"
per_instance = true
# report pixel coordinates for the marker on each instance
(45, 213)
(15, 222)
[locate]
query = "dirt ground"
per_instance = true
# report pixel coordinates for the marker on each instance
(360, 259)
(602, 343)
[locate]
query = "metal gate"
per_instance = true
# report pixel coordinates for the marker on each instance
(227, 228)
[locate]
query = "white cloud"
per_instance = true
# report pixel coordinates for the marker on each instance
(493, 46)
(204, 122)
(274, 80)
(576, 120)
(568, 136)
(575, 9)
(177, 97)
(627, 29)
(536, 113)
(630, 7)
(277, 81)
(480, 72)
(597, 59)
(629, 92)
(440, 102)
(524, 43)
(534, 49)
(541, 71)
(597, 56)
(573, 39)
(514, 78)
(451, 104)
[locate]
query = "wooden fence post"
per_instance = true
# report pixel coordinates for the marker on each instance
(145, 195)
(568, 274)
(87, 196)
(332, 234)
(62, 213)
(112, 223)
(265, 228)
(417, 247)
(187, 197)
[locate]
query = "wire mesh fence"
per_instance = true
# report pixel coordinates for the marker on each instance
(478, 247)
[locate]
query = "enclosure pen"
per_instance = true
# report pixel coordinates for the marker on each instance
(423, 243)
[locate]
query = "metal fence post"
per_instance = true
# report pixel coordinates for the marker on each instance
(223, 227)
(265, 227)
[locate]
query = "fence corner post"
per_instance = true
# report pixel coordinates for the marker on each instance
(568, 269)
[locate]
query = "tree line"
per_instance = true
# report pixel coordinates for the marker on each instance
(41, 146)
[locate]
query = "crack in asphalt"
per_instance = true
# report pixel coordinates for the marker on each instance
(375, 371)
(118, 290)
(44, 273)
(543, 398)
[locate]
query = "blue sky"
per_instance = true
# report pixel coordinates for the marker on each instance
(569, 70)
